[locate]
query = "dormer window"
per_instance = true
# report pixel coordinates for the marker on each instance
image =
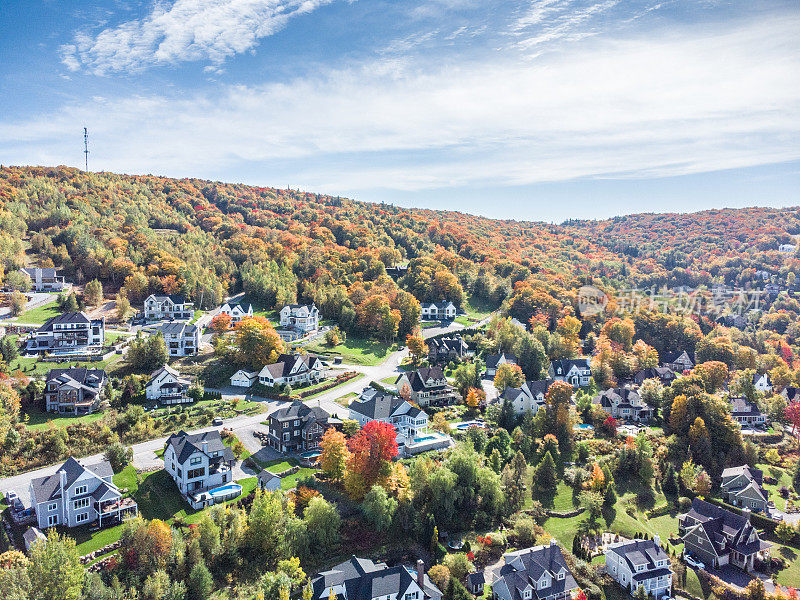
(561, 575)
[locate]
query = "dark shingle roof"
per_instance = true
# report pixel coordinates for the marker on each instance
(381, 406)
(66, 318)
(493, 360)
(186, 444)
(49, 488)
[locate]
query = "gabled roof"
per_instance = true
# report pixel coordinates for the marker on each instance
(166, 369)
(417, 379)
(49, 488)
(64, 319)
(641, 552)
(178, 328)
(174, 298)
(186, 444)
(726, 530)
(493, 360)
(741, 407)
(286, 362)
(45, 271)
(654, 373)
(621, 398)
(299, 410)
(749, 472)
(382, 406)
(88, 380)
(364, 579)
(563, 366)
(671, 357)
(524, 568)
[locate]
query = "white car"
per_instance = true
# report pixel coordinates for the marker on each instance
(693, 562)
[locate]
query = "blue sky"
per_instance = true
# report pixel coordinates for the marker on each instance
(526, 109)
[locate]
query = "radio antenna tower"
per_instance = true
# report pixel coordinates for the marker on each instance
(85, 149)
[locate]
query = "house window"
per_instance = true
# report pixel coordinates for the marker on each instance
(560, 576)
(195, 460)
(52, 520)
(82, 503)
(80, 518)
(81, 489)
(52, 506)
(286, 437)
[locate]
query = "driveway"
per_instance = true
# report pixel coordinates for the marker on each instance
(451, 327)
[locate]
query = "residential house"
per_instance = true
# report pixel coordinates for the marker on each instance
(408, 420)
(363, 579)
(576, 371)
(446, 349)
(167, 306)
(538, 573)
(737, 321)
(78, 494)
(664, 374)
(201, 466)
(74, 391)
(167, 387)
(45, 279)
(744, 486)
(69, 333)
(244, 378)
(428, 387)
(182, 338)
(300, 317)
(437, 311)
(32, 536)
(268, 481)
(791, 394)
(638, 564)
(292, 369)
(747, 413)
(529, 397)
(679, 361)
(624, 404)
(236, 312)
(719, 537)
(493, 362)
(762, 382)
(298, 427)
(787, 248)
(518, 323)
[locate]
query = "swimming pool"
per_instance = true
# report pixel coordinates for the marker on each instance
(583, 427)
(232, 489)
(308, 455)
(427, 438)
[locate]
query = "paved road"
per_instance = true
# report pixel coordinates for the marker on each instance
(35, 299)
(243, 426)
(451, 327)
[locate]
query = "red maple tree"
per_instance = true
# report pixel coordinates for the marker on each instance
(373, 447)
(792, 412)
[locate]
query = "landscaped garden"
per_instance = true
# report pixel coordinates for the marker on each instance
(355, 350)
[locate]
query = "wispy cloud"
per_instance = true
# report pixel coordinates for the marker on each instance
(666, 103)
(186, 30)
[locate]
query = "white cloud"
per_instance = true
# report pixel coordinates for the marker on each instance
(689, 101)
(186, 30)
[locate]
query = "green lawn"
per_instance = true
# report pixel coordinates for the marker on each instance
(389, 381)
(318, 385)
(355, 350)
(31, 365)
(38, 420)
(197, 314)
(287, 483)
(40, 314)
(790, 576)
(478, 309)
(345, 400)
(783, 477)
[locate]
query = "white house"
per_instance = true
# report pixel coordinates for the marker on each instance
(623, 403)
(640, 563)
(787, 248)
(202, 467)
(301, 317)
(408, 420)
(440, 311)
(44, 279)
(762, 382)
(427, 386)
(293, 369)
(244, 378)
(747, 413)
(529, 397)
(69, 333)
(167, 386)
(493, 361)
(236, 312)
(576, 371)
(182, 339)
(538, 573)
(79, 494)
(363, 579)
(167, 306)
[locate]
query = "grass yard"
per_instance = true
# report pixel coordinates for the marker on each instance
(318, 385)
(355, 350)
(40, 314)
(290, 482)
(783, 477)
(790, 576)
(477, 309)
(346, 399)
(31, 365)
(389, 381)
(38, 420)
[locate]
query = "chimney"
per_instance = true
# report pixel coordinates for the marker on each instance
(553, 542)
(205, 446)
(746, 514)
(421, 574)
(657, 539)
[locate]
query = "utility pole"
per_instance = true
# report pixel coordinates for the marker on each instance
(85, 149)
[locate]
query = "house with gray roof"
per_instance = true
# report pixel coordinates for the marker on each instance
(363, 579)
(409, 421)
(529, 397)
(236, 312)
(68, 333)
(575, 371)
(44, 279)
(538, 573)
(446, 349)
(747, 413)
(181, 338)
(201, 466)
(623, 403)
(78, 494)
(167, 387)
(744, 486)
(679, 361)
(298, 427)
(664, 374)
(640, 563)
(167, 306)
(719, 537)
(493, 361)
(302, 318)
(427, 386)
(74, 391)
(438, 311)
(293, 369)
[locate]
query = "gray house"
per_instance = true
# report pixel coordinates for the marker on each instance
(743, 486)
(640, 563)
(538, 573)
(363, 579)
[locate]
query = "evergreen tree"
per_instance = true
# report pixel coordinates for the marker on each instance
(456, 591)
(201, 584)
(545, 479)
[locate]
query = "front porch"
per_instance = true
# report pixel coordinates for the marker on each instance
(113, 512)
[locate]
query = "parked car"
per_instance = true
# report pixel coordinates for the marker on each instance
(217, 421)
(10, 497)
(693, 562)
